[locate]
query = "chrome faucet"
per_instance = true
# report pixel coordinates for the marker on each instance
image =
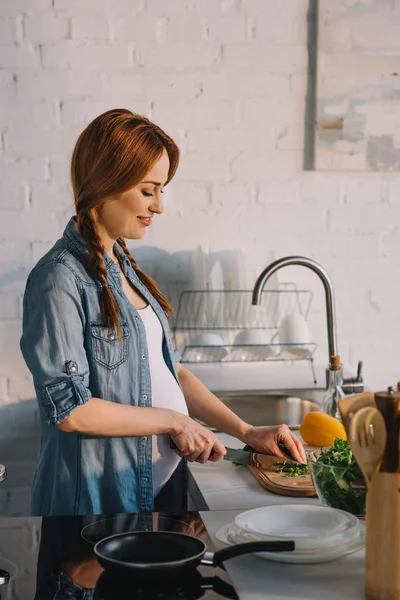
(351, 385)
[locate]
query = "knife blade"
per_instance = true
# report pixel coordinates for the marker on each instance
(242, 457)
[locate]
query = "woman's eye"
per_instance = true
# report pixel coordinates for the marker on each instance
(147, 194)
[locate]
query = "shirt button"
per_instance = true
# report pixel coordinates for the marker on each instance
(137, 317)
(145, 479)
(144, 396)
(144, 438)
(143, 356)
(111, 336)
(73, 369)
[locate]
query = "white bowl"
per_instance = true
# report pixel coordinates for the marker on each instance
(252, 337)
(205, 344)
(258, 338)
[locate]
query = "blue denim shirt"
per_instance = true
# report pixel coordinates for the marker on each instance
(73, 356)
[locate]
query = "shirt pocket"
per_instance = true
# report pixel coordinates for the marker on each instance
(108, 350)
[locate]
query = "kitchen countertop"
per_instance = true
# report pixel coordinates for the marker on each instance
(54, 539)
(229, 490)
(39, 547)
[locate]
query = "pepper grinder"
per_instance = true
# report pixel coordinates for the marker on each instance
(383, 510)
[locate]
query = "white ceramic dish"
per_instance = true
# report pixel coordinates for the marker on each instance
(207, 346)
(294, 332)
(237, 303)
(216, 297)
(254, 344)
(302, 546)
(199, 282)
(310, 526)
(225, 536)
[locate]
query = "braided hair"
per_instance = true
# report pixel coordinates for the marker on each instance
(111, 156)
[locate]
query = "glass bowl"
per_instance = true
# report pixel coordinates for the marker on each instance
(340, 487)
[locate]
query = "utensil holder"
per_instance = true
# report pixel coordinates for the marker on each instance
(383, 537)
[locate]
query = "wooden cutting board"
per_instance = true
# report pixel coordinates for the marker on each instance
(265, 471)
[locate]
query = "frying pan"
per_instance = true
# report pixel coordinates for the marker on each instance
(149, 554)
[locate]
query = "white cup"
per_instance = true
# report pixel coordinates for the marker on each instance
(293, 330)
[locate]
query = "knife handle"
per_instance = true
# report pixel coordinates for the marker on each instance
(173, 446)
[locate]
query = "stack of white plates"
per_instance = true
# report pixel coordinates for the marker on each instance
(320, 534)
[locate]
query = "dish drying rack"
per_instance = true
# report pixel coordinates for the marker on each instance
(226, 312)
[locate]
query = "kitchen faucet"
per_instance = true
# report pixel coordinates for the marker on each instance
(351, 385)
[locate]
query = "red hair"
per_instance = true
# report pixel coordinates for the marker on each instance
(113, 154)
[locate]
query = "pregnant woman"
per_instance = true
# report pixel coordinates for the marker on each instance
(96, 339)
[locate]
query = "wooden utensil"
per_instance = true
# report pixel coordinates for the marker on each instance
(383, 511)
(368, 439)
(265, 470)
(388, 404)
(349, 406)
(383, 537)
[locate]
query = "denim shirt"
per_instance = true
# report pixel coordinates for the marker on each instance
(74, 356)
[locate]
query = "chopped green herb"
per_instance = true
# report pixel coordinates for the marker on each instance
(292, 469)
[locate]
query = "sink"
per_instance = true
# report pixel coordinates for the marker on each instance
(273, 407)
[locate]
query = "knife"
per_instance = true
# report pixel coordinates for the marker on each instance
(241, 457)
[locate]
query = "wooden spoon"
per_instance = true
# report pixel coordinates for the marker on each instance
(368, 439)
(349, 406)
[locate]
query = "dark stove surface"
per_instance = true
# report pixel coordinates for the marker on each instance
(66, 566)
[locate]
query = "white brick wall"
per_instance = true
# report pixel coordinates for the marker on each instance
(228, 79)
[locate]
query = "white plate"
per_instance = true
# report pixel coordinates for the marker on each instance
(199, 270)
(303, 546)
(199, 282)
(313, 525)
(321, 556)
(216, 296)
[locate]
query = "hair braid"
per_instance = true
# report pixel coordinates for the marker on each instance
(108, 304)
(147, 281)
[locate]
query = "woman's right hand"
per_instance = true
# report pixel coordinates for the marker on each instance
(195, 442)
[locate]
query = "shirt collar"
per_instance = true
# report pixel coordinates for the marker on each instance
(75, 241)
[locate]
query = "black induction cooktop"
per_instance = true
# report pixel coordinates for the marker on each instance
(53, 558)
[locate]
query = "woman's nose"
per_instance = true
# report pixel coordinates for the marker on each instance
(157, 205)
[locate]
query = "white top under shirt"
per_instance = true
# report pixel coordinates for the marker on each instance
(165, 393)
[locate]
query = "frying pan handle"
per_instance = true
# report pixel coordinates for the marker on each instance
(173, 446)
(220, 587)
(226, 553)
(4, 577)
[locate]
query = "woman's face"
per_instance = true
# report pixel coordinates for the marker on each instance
(129, 214)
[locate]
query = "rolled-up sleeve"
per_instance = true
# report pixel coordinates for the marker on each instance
(52, 341)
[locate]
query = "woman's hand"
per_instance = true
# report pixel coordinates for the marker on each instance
(195, 442)
(266, 439)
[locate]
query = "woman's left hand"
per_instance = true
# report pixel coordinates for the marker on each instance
(266, 440)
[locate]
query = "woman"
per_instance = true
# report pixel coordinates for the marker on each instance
(96, 339)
